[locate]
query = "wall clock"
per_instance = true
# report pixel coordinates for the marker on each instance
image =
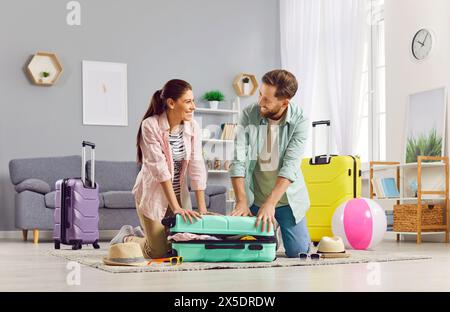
(422, 44)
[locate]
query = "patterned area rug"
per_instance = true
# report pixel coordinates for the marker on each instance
(93, 258)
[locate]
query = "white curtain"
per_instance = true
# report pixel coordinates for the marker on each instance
(300, 28)
(344, 29)
(331, 32)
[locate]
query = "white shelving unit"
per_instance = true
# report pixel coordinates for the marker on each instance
(216, 111)
(422, 195)
(409, 165)
(217, 171)
(234, 113)
(424, 198)
(217, 141)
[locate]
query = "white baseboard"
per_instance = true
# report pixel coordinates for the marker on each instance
(48, 235)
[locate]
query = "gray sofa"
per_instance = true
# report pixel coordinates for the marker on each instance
(34, 180)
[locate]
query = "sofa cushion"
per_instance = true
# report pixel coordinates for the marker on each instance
(215, 190)
(50, 200)
(114, 175)
(34, 185)
(48, 169)
(119, 199)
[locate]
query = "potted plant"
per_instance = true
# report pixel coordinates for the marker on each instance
(213, 97)
(44, 75)
(246, 86)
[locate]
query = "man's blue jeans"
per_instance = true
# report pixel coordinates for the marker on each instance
(296, 237)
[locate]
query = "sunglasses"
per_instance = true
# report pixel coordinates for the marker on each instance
(171, 260)
(305, 256)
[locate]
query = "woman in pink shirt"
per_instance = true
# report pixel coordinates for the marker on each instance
(169, 148)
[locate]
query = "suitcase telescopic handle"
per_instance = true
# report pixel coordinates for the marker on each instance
(87, 143)
(314, 125)
(323, 122)
(83, 162)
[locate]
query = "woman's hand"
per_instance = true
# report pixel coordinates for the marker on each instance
(187, 213)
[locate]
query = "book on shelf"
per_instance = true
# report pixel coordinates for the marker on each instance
(390, 189)
(385, 187)
(228, 131)
(376, 188)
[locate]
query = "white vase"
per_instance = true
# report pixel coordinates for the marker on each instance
(246, 88)
(213, 104)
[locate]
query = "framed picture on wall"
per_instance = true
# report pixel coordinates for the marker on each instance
(426, 124)
(105, 93)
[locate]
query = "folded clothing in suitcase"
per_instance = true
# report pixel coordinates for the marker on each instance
(331, 180)
(238, 240)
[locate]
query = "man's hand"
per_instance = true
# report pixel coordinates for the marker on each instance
(266, 215)
(241, 210)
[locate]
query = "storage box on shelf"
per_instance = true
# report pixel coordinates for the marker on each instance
(405, 217)
(418, 218)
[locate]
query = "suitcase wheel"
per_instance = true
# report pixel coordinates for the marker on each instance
(96, 245)
(57, 244)
(77, 246)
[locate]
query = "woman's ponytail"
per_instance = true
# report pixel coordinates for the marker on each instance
(157, 106)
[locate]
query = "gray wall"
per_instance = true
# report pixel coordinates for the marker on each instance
(206, 42)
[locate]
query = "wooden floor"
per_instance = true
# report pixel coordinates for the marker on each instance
(23, 267)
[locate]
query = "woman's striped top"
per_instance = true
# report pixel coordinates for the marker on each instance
(178, 155)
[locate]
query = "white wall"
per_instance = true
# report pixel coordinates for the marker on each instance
(405, 75)
(204, 42)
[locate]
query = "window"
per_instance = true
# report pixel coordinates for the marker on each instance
(372, 115)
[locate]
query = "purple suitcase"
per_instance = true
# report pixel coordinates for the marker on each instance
(76, 208)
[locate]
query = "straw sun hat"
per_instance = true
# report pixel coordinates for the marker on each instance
(332, 247)
(125, 254)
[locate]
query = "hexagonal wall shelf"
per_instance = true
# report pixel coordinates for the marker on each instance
(44, 68)
(245, 89)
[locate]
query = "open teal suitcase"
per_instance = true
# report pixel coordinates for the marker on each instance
(263, 249)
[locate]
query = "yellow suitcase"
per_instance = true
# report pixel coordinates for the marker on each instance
(331, 180)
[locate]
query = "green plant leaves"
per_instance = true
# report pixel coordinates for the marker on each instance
(424, 145)
(214, 95)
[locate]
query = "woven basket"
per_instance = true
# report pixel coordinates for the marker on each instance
(405, 217)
